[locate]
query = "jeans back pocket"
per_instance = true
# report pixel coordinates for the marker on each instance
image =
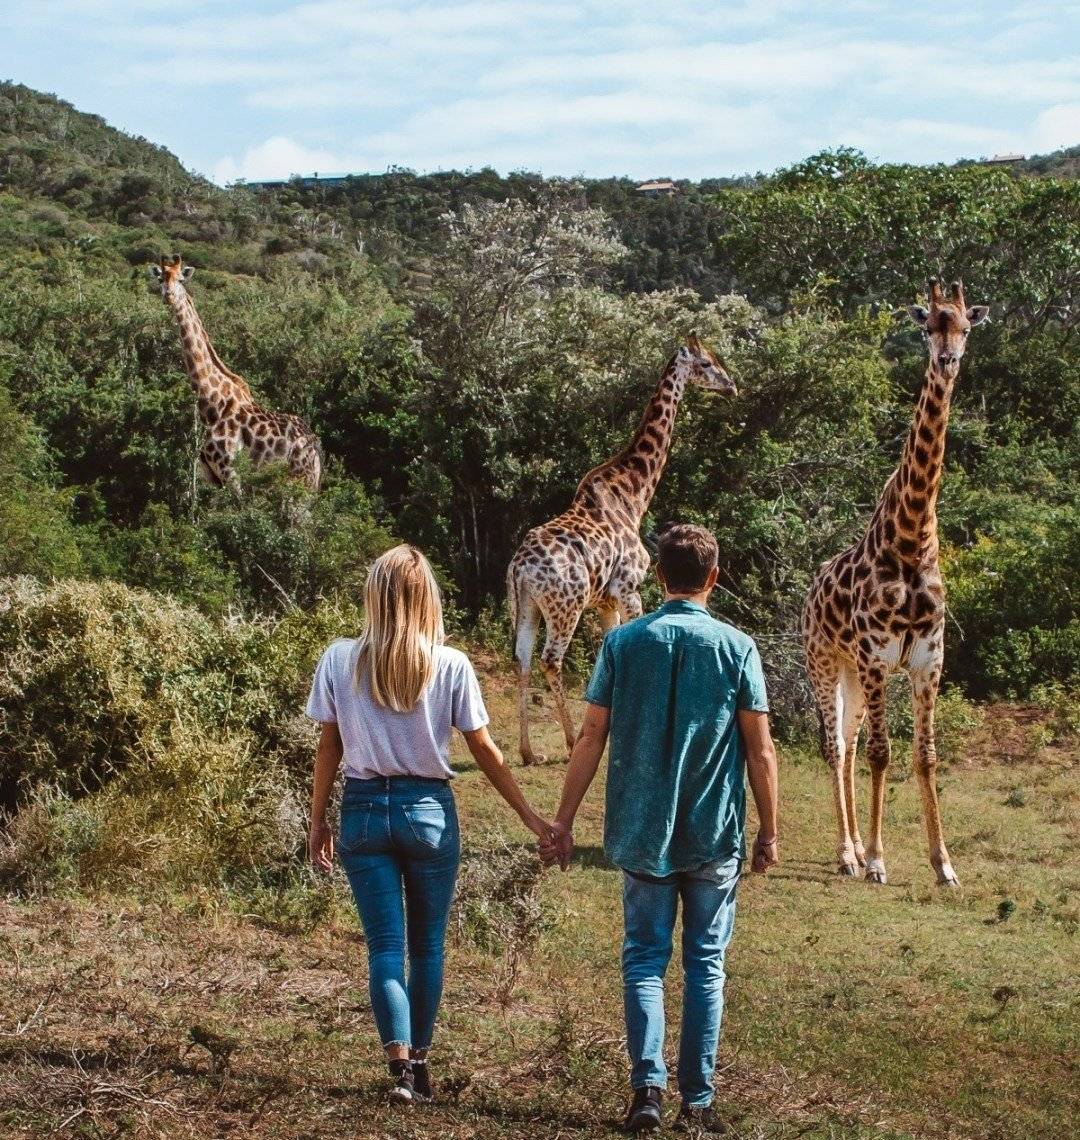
(355, 823)
(429, 820)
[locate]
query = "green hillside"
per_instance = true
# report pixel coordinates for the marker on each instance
(461, 378)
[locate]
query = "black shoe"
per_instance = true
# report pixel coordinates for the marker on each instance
(422, 1081)
(645, 1111)
(700, 1121)
(404, 1091)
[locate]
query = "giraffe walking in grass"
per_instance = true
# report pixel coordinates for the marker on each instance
(230, 416)
(880, 606)
(592, 554)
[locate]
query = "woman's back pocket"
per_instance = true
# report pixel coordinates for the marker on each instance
(430, 822)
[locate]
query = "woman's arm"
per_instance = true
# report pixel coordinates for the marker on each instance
(327, 762)
(490, 760)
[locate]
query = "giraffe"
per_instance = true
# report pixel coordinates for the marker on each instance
(592, 554)
(230, 416)
(880, 606)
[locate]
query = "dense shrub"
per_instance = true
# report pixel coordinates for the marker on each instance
(97, 678)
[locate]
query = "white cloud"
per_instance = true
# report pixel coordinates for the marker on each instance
(1056, 127)
(689, 87)
(278, 157)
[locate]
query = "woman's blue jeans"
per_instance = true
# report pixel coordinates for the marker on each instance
(649, 911)
(400, 846)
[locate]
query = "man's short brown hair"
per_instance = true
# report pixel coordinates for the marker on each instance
(687, 555)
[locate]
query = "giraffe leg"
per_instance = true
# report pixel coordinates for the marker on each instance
(872, 677)
(854, 713)
(609, 618)
(528, 619)
(924, 688)
(825, 677)
(560, 630)
(214, 466)
(627, 599)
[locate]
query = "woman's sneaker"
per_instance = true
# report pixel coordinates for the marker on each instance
(404, 1090)
(700, 1122)
(422, 1081)
(646, 1110)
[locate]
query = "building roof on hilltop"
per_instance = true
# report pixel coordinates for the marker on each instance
(658, 184)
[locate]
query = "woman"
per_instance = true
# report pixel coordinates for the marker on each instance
(387, 702)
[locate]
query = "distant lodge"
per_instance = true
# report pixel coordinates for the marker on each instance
(660, 188)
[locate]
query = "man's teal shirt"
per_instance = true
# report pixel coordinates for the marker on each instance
(674, 680)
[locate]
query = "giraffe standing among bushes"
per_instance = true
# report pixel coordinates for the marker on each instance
(880, 606)
(592, 554)
(230, 416)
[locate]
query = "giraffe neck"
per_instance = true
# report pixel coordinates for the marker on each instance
(912, 504)
(208, 376)
(643, 459)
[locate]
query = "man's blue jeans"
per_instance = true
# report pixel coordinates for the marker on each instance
(649, 910)
(400, 847)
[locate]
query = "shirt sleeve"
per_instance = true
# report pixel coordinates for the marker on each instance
(321, 705)
(601, 688)
(752, 696)
(469, 712)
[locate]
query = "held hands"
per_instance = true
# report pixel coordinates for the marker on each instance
(554, 843)
(321, 846)
(766, 854)
(557, 845)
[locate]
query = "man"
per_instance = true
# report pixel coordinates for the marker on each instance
(683, 698)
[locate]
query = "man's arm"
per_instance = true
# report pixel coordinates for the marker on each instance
(764, 783)
(584, 760)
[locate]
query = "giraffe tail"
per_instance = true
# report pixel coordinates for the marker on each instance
(513, 605)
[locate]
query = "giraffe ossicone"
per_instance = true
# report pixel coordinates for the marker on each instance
(230, 417)
(879, 607)
(592, 556)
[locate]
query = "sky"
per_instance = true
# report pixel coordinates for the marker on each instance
(261, 89)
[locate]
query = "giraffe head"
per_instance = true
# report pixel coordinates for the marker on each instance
(946, 324)
(698, 364)
(170, 274)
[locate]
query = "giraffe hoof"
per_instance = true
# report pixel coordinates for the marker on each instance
(946, 876)
(875, 872)
(848, 870)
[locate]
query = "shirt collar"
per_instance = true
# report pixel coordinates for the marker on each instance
(682, 606)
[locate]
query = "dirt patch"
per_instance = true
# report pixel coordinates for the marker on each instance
(1013, 734)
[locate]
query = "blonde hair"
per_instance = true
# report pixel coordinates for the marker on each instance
(402, 629)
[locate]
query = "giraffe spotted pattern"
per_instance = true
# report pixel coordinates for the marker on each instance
(592, 554)
(880, 606)
(230, 416)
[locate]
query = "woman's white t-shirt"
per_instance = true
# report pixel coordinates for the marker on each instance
(381, 742)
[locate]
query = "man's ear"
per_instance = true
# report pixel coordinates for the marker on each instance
(976, 314)
(186, 272)
(153, 272)
(660, 576)
(919, 314)
(714, 573)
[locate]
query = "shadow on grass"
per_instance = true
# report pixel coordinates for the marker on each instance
(593, 856)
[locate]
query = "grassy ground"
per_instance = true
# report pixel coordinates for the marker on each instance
(852, 1011)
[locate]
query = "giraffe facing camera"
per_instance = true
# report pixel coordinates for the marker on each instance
(879, 607)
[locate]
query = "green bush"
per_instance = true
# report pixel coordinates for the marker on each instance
(1012, 599)
(96, 678)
